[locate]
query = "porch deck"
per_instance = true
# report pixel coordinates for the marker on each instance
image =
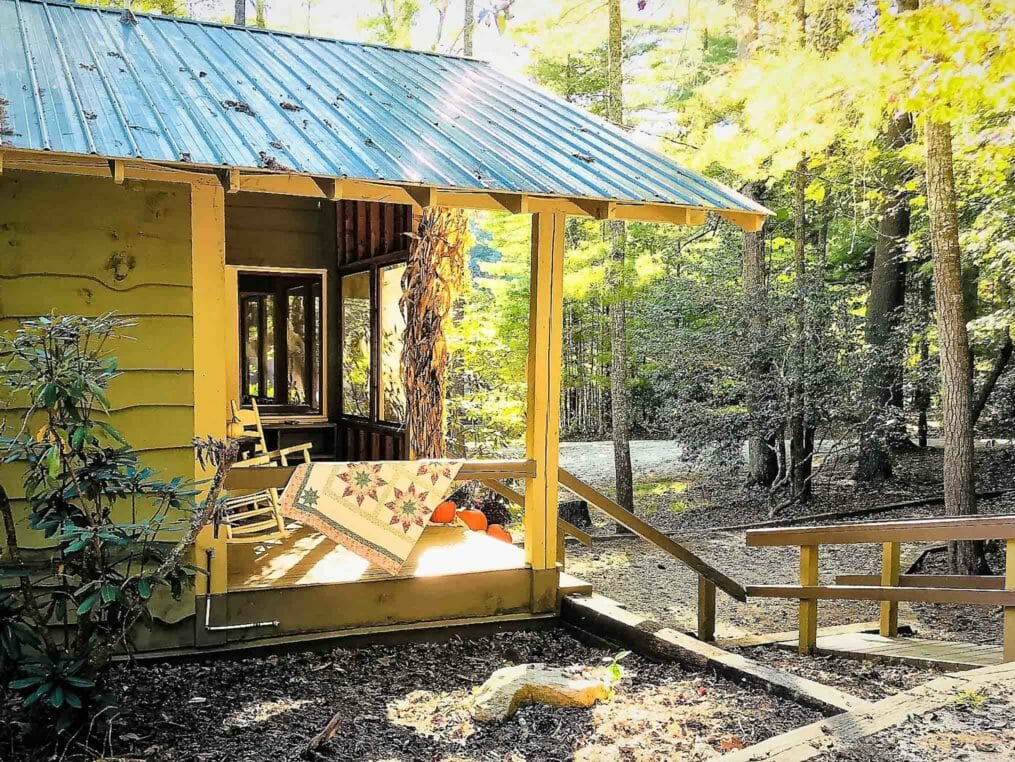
(309, 558)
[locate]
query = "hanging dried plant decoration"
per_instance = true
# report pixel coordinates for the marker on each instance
(433, 275)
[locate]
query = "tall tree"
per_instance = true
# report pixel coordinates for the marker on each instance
(619, 395)
(883, 376)
(956, 358)
(240, 13)
(468, 26)
(801, 427)
(762, 455)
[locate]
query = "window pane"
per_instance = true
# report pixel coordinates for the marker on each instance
(356, 344)
(268, 307)
(392, 334)
(252, 353)
(315, 367)
(296, 348)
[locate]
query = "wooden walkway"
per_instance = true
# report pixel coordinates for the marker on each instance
(832, 738)
(941, 654)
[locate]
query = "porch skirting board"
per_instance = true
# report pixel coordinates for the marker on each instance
(397, 601)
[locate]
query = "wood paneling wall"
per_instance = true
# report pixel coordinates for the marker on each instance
(82, 245)
(366, 230)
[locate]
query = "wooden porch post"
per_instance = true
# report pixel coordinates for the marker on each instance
(1009, 611)
(808, 607)
(890, 555)
(207, 209)
(546, 302)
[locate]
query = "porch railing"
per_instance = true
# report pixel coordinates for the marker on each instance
(891, 587)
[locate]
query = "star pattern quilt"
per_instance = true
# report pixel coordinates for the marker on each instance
(377, 510)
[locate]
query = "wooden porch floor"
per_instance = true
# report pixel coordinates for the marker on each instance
(943, 654)
(309, 558)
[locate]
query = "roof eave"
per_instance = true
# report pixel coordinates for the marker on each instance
(258, 180)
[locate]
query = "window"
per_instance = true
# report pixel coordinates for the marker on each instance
(356, 344)
(392, 403)
(280, 341)
(373, 330)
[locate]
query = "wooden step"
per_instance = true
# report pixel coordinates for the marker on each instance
(941, 654)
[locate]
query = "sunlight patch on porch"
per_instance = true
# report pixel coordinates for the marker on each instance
(308, 558)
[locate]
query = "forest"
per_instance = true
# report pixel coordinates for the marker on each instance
(851, 360)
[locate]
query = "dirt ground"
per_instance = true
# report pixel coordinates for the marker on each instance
(408, 702)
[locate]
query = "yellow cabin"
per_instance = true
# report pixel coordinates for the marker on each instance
(244, 197)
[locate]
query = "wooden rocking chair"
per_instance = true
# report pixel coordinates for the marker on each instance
(257, 517)
(250, 420)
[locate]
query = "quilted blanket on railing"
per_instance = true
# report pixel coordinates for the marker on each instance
(378, 510)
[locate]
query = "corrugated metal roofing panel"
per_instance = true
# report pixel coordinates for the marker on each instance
(77, 79)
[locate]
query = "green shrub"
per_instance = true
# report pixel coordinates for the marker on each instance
(62, 619)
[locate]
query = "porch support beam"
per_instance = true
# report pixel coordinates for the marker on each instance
(116, 171)
(210, 384)
(542, 441)
(746, 221)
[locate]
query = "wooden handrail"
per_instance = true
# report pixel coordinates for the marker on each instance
(570, 529)
(885, 593)
(263, 477)
(912, 530)
(649, 533)
(957, 581)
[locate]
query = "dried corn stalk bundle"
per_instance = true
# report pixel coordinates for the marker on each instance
(432, 276)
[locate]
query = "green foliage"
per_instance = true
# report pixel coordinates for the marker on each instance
(80, 476)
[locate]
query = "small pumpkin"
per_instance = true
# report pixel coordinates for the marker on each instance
(444, 513)
(473, 519)
(499, 532)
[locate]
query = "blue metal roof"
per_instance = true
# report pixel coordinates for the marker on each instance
(78, 79)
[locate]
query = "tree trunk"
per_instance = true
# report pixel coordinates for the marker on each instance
(762, 457)
(619, 397)
(240, 13)
(956, 359)
(468, 27)
(1001, 361)
(433, 271)
(883, 377)
(801, 446)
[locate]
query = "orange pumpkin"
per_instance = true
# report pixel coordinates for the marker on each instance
(444, 513)
(496, 530)
(473, 519)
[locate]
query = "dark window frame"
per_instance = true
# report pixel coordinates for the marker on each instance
(257, 286)
(373, 267)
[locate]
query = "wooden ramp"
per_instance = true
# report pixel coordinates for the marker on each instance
(832, 738)
(942, 654)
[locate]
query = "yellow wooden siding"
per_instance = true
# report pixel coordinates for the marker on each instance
(81, 245)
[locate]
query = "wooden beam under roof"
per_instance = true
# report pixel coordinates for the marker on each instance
(331, 188)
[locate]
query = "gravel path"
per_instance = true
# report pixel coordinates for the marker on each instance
(651, 583)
